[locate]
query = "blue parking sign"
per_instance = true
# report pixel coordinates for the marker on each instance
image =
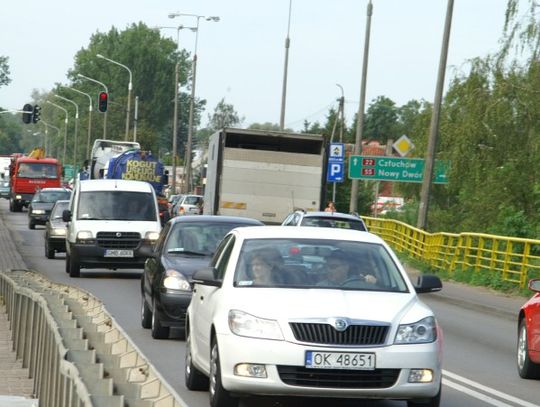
(335, 172)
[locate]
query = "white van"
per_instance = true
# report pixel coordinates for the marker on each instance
(111, 224)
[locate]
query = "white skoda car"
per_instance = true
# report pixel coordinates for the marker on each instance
(314, 312)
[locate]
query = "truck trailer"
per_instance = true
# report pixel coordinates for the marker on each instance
(264, 175)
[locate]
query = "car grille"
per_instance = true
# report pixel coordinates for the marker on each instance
(338, 378)
(327, 334)
(118, 240)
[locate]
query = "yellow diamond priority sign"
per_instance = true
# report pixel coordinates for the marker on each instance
(403, 145)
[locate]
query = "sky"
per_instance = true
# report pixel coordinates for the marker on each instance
(241, 57)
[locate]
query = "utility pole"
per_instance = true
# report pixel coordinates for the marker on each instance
(353, 204)
(434, 126)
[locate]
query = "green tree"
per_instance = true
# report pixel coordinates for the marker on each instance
(4, 71)
(224, 115)
(381, 120)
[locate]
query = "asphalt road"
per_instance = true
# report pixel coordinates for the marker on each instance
(479, 333)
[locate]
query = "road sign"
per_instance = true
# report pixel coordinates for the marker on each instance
(337, 152)
(335, 172)
(381, 168)
(403, 145)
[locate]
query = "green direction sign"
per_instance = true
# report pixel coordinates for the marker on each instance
(380, 168)
(69, 171)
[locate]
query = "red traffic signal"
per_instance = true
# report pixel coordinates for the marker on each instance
(102, 101)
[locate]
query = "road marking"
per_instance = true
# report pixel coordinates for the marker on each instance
(480, 396)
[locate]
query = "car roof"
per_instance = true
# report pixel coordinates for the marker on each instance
(307, 232)
(320, 214)
(215, 219)
(112, 184)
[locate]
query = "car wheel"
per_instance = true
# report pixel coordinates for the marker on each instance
(146, 314)
(31, 224)
(49, 253)
(219, 397)
(73, 267)
(527, 369)
(194, 379)
(158, 331)
(430, 402)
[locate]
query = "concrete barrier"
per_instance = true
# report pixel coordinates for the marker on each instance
(75, 351)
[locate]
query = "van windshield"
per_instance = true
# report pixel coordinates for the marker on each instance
(117, 205)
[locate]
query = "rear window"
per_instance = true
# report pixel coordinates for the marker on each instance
(117, 205)
(334, 222)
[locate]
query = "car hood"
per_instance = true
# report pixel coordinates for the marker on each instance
(302, 304)
(187, 264)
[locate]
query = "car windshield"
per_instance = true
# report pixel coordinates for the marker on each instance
(333, 222)
(51, 196)
(37, 170)
(317, 264)
(58, 208)
(197, 237)
(117, 205)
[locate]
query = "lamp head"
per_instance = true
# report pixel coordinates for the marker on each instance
(212, 18)
(99, 56)
(172, 15)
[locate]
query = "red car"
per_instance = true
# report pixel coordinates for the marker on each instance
(528, 347)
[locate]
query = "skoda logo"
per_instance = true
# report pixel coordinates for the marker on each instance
(341, 324)
(118, 234)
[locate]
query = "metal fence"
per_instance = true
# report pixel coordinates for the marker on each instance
(74, 350)
(516, 260)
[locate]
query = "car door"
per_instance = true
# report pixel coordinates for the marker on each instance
(152, 266)
(204, 302)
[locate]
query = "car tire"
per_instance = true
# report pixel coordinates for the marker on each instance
(158, 331)
(49, 253)
(73, 267)
(194, 379)
(430, 402)
(146, 313)
(219, 397)
(527, 369)
(31, 225)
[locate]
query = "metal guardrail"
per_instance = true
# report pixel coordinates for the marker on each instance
(515, 259)
(76, 353)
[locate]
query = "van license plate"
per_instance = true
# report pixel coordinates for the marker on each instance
(340, 360)
(118, 253)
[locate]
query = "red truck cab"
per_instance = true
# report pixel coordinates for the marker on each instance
(28, 174)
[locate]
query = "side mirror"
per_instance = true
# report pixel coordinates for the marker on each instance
(66, 215)
(534, 284)
(428, 284)
(206, 276)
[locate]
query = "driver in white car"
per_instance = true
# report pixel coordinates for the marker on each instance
(340, 271)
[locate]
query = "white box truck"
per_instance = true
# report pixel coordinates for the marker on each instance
(264, 174)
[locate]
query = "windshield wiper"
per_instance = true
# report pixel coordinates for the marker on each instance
(182, 251)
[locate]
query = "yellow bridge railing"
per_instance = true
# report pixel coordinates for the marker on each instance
(515, 259)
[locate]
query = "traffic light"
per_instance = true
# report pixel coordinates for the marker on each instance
(36, 113)
(28, 111)
(102, 101)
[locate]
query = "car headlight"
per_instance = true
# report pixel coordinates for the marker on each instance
(38, 211)
(58, 232)
(423, 331)
(151, 236)
(243, 324)
(84, 235)
(18, 196)
(176, 281)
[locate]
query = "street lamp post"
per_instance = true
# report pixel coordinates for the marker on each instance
(47, 125)
(187, 172)
(65, 129)
(107, 91)
(130, 85)
(89, 118)
(76, 127)
(285, 69)
(353, 203)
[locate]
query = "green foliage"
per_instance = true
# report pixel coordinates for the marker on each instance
(381, 120)
(10, 131)
(4, 71)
